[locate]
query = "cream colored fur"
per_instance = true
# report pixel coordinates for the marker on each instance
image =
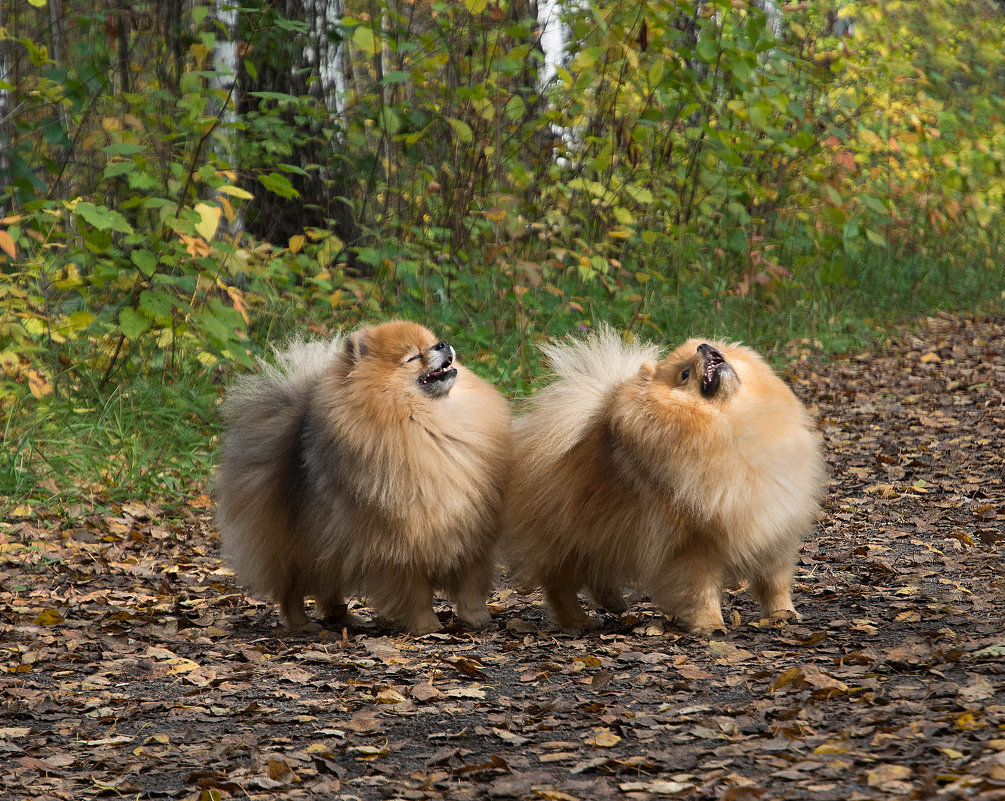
(627, 475)
(341, 474)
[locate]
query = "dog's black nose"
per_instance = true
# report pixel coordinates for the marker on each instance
(441, 345)
(710, 354)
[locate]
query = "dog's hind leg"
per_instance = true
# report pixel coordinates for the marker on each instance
(405, 599)
(564, 601)
(609, 597)
(468, 589)
(691, 590)
(291, 608)
(773, 589)
(334, 609)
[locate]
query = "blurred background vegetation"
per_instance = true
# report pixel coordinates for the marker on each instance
(183, 184)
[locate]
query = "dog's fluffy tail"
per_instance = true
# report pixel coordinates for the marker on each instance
(602, 359)
(277, 385)
(588, 370)
(257, 481)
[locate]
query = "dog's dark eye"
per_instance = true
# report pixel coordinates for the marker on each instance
(685, 375)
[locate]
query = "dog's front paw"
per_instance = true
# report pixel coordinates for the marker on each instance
(475, 618)
(584, 623)
(706, 625)
(425, 623)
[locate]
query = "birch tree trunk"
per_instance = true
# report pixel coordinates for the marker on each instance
(773, 14)
(844, 24)
(224, 80)
(327, 57)
(553, 35)
(223, 86)
(554, 40)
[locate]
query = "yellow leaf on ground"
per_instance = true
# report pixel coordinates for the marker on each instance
(603, 738)
(831, 747)
(967, 722)
(554, 795)
(181, 665)
(390, 696)
(48, 617)
(890, 777)
(793, 674)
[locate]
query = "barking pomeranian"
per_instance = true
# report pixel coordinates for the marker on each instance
(372, 463)
(679, 475)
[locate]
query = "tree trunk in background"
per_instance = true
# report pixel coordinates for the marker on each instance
(842, 25)
(305, 65)
(122, 28)
(169, 15)
(223, 86)
(224, 80)
(553, 34)
(773, 13)
(325, 55)
(5, 112)
(329, 62)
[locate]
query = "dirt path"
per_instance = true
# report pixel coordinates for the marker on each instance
(134, 668)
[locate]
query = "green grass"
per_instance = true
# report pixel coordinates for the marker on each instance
(153, 439)
(857, 304)
(143, 439)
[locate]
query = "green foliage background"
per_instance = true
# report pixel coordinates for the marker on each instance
(685, 172)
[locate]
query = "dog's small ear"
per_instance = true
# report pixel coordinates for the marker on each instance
(357, 345)
(647, 371)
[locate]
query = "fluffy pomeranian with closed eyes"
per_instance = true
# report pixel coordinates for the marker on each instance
(372, 463)
(680, 475)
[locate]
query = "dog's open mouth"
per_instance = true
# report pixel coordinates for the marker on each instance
(440, 377)
(440, 374)
(713, 364)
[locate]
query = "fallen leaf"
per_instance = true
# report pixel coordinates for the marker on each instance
(554, 795)
(48, 617)
(603, 738)
(890, 778)
(424, 692)
(510, 737)
(656, 787)
(390, 696)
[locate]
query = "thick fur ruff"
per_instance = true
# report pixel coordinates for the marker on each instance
(679, 476)
(370, 464)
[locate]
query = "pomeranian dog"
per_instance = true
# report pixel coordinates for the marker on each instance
(373, 464)
(680, 476)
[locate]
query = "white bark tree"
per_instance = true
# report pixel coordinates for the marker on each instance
(326, 56)
(223, 85)
(224, 80)
(773, 14)
(553, 33)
